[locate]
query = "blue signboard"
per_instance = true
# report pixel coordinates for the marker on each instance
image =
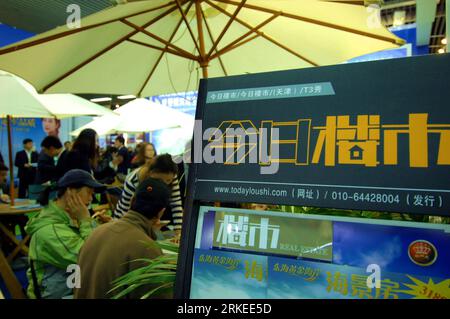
(34, 128)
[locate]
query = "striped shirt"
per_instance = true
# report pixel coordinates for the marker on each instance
(132, 182)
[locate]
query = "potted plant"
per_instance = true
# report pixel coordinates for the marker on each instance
(159, 273)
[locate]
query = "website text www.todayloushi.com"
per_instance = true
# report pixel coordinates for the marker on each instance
(246, 191)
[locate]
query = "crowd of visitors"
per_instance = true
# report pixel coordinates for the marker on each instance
(141, 193)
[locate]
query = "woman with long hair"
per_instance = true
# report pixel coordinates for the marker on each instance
(145, 154)
(85, 152)
(160, 167)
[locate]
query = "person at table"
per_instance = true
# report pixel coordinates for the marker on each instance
(57, 234)
(110, 250)
(52, 161)
(4, 197)
(105, 172)
(26, 161)
(163, 168)
(85, 152)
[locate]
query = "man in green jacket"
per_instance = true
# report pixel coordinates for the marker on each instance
(57, 234)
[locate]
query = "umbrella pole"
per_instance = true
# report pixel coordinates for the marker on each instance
(11, 167)
(203, 60)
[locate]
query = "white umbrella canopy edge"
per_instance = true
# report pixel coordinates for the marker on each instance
(19, 99)
(70, 105)
(137, 116)
(16, 99)
(113, 39)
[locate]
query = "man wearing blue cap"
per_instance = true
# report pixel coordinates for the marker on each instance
(57, 234)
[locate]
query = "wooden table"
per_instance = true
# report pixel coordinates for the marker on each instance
(6, 272)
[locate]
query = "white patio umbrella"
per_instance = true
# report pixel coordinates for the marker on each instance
(153, 47)
(137, 116)
(19, 99)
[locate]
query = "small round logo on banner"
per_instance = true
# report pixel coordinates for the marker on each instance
(422, 253)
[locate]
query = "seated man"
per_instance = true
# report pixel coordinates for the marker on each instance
(108, 252)
(4, 197)
(57, 234)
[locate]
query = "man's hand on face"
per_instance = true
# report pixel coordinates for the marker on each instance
(75, 206)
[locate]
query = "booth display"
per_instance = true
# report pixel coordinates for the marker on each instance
(321, 137)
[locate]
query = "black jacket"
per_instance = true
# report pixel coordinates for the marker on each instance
(61, 167)
(46, 169)
(21, 160)
(76, 159)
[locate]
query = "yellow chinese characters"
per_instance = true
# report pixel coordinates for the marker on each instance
(227, 262)
(254, 270)
(357, 287)
(359, 144)
(344, 140)
(309, 274)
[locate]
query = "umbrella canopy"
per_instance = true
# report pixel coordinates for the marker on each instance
(19, 99)
(158, 46)
(137, 116)
(69, 105)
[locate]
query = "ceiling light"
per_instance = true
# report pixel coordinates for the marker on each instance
(101, 99)
(399, 17)
(444, 41)
(126, 97)
(441, 51)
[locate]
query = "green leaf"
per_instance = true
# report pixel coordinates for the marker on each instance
(125, 292)
(152, 292)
